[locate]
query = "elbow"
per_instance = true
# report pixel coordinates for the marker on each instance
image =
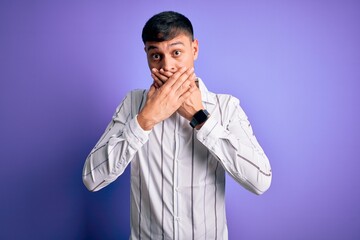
(262, 191)
(263, 185)
(87, 179)
(90, 181)
(89, 184)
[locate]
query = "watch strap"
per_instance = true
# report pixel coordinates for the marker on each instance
(199, 118)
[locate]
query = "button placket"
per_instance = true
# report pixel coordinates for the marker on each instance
(175, 182)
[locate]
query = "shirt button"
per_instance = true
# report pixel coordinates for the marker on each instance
(177, 219)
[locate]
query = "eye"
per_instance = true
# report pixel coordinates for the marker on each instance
(177, 53)
(155, 56)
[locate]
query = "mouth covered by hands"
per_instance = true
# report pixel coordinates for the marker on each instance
(192, 104)
(165, 98)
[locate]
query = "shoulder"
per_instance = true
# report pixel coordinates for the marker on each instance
(224, 99)
(132, 102)
(216, 98)
(226, 107)
(134, 95)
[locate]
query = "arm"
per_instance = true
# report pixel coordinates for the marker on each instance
(126, 134)
(229, 137)
(235, 146)
(122, 138)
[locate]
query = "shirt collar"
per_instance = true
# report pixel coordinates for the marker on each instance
(206, 96)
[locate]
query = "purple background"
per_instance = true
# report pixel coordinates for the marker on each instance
(66, 65)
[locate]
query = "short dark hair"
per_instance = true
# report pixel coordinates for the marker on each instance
(165, 26)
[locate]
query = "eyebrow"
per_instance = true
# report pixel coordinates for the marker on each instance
(151, 47)
(176, 43)
(172, 44)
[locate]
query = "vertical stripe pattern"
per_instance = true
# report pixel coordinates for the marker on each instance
(162, 181)
(178, 173)
(192, 184)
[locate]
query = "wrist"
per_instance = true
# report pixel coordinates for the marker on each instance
(199, 126)
(199, 118)
(144, 122)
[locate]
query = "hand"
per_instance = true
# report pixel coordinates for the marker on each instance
(191, 105)
(163, 101)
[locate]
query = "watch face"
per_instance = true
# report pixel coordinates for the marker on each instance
(201, 116)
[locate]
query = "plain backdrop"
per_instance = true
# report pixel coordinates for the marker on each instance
(294, 65)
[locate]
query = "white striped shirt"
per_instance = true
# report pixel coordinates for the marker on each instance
(178, 173)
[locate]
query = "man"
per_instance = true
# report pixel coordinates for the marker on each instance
(180, 140)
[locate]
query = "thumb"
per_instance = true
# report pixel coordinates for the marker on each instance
(151, 90)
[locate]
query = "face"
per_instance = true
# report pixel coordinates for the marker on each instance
(173, 54)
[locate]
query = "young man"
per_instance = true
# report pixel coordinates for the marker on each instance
(180, 140)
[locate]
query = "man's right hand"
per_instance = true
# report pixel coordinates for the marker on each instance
(162, 102)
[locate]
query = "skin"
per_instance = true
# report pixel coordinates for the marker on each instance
(173, 89)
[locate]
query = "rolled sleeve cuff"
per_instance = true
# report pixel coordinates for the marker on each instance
(139, 135)
(141, 129)
(209, 133)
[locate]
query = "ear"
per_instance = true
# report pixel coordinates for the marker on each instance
(195, 48)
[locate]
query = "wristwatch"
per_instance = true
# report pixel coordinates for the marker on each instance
(199, 118)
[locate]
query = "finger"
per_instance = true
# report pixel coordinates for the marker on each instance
(183, 86)
(156, 85)
(158, 82)
(175, 77)
(167, 74)
(193, 87)
(182, 78)
(184, 97)
(167, 87)
(163, 78)
(151, 91)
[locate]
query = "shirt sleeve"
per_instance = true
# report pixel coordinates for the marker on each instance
(229, 137)
(121, 140)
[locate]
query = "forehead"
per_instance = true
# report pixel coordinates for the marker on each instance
(179, 40)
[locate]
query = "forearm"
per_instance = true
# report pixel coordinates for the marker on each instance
(239, 153)
(117, 146)
(108, 160)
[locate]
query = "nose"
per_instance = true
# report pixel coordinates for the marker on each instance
(168, 64)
